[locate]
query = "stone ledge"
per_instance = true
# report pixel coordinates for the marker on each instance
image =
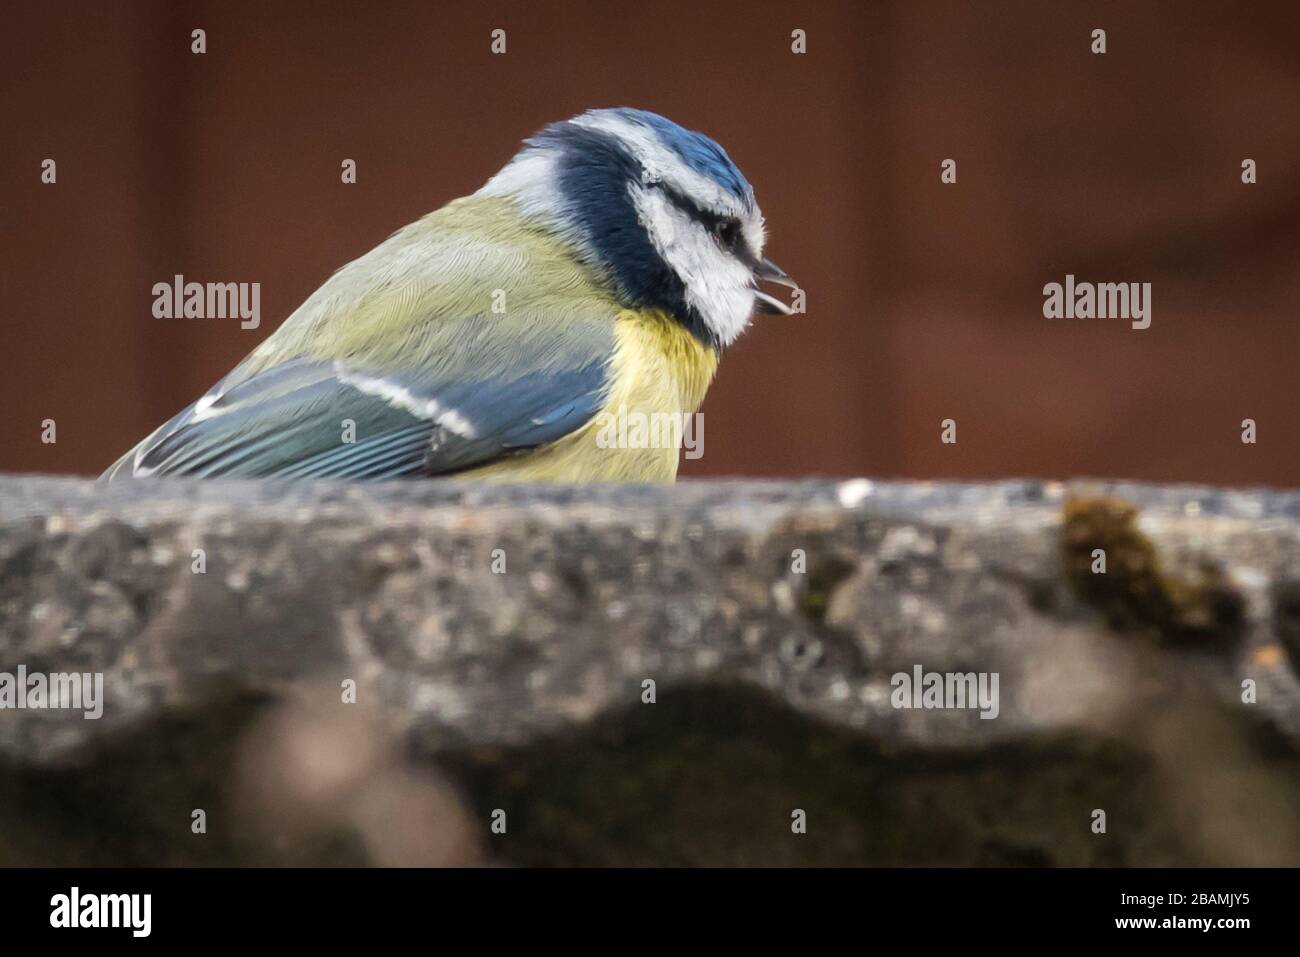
(523, 691)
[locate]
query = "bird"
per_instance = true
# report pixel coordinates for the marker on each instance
(601, 272)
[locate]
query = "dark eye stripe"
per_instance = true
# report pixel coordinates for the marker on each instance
(714, 223)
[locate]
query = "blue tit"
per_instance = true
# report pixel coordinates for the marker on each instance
(598, 275)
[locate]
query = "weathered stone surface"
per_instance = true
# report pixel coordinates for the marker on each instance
(771, 618)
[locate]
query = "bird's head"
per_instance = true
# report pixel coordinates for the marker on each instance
(662, 211)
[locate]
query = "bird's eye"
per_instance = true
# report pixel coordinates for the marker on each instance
(728, 233)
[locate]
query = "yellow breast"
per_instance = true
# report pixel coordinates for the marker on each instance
(659, 375)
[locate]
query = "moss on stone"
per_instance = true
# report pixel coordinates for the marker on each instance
(1135, 593)
(824, 577)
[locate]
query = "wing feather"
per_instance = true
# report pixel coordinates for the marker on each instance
(408, 343)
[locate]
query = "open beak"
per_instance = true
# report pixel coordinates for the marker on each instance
(768, 271)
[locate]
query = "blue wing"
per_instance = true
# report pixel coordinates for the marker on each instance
(397, 365)
(335, 419)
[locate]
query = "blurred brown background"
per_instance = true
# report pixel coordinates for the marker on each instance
(925, 300)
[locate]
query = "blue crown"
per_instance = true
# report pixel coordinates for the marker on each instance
(594, 174)
(698, 151)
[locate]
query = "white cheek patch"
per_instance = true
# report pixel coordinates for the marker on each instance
(717, 285)
(755, 233)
